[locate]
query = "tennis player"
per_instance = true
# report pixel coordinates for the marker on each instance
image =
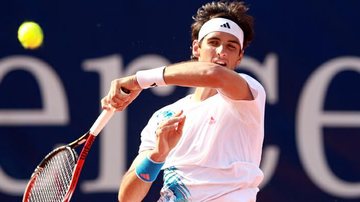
(208, 143)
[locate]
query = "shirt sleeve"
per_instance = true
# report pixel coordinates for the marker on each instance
(249, 110)
(148, 136)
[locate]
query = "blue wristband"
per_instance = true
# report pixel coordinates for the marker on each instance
(148, 170)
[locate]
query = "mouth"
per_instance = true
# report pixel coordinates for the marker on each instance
(220, 62)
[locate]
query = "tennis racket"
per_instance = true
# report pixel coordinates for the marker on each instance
(55, 178)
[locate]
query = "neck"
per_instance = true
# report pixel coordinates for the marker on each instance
(202, 94)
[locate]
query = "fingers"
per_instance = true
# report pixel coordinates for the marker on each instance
(172, 121)
(105, 104)
(181, 124)
(173, 124)
(117, 101)
(122, 92)
(118, 97)
(175, 129)
(179, 113)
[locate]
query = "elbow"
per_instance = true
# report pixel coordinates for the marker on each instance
(121, 198)
(216, 74)
(124, 196)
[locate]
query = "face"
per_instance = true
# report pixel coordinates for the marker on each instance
(220, 48)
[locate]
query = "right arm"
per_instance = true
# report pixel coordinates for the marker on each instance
(189, 74)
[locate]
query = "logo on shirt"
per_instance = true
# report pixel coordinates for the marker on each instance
(164, 115)
(212, 120)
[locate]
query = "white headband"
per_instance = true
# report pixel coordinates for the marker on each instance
(222, 25)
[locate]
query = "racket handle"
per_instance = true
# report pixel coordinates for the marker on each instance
(124, 90)
(104, 117)
(101, 121)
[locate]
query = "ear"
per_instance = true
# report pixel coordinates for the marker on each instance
(195, 48)
(240, 56)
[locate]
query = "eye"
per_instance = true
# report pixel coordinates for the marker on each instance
(232, 46)
(213, 43)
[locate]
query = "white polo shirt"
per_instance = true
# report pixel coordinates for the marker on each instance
(219, 153)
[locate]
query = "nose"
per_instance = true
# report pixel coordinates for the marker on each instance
(220, 51)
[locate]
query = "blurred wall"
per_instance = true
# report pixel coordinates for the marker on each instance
(305, 53)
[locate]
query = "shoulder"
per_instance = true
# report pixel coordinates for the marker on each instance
(254, 85)
(168, 110)
(251, 81)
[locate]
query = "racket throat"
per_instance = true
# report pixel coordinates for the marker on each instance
(79, 165)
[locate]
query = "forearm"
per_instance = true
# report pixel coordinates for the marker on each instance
(208, 75)
(133, 189)
(195, 74)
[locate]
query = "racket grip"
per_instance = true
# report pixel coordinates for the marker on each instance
(101, 121)
(105, 116)
(124, 90)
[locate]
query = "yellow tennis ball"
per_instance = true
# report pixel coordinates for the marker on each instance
(30, 35)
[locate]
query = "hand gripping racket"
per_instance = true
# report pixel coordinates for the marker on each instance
(55, 178)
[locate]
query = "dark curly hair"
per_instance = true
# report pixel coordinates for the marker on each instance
(232, 10)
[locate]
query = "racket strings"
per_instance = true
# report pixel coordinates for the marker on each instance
(52, 183)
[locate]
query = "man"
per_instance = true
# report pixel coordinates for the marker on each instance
(215, 154)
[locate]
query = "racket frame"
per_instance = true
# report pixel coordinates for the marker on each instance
(88, 138)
